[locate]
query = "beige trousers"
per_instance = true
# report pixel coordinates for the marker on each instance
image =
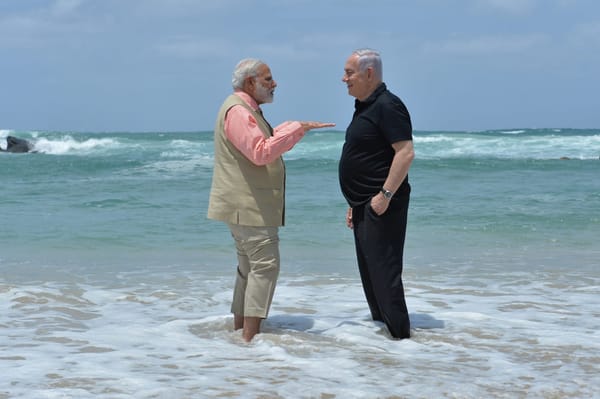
(258, 269)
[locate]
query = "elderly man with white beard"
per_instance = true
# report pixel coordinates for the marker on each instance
(248, 188)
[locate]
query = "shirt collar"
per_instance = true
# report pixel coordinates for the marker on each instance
(247, 99)
(371, 99)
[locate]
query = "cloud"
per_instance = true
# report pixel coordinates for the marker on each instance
(483, 45)
(63, 8)
(194, 48)
(21, 31)
(308, 46)
(35, 27)
(517, 7)
(586, 34)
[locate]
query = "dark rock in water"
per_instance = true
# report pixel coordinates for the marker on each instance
(14, 144)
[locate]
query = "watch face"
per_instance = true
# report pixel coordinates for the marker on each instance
(387, 194)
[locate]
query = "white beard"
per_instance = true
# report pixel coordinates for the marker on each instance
(263, 95)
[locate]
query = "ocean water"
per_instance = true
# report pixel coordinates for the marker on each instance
(113, 284)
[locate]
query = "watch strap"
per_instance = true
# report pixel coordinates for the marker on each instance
(387, 193)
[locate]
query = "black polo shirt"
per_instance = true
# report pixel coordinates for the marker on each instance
(379, 121)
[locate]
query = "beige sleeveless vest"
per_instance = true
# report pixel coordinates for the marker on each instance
(244, 193)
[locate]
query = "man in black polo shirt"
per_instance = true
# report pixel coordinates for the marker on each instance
(373, 173)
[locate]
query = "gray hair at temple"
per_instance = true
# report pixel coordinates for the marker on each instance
(369, 58)
(247, 67)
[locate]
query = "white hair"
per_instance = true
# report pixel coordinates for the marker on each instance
(369, 58)
(247, 67)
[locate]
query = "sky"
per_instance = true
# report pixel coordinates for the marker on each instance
(166, 65)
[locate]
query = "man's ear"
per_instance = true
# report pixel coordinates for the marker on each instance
(248, 84)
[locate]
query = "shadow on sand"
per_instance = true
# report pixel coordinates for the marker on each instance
(305, 323)
(289, 322)
(425, 321)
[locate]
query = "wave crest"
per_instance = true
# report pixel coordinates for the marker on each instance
(68, 144)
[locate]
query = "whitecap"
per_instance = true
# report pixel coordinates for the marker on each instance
(67, 144)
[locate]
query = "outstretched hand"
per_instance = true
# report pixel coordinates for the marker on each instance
(315, 125)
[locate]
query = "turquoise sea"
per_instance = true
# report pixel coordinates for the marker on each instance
(113, 284)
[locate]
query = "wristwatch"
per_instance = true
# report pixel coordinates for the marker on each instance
(387, 193)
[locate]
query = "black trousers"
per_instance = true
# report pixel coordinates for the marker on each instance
(379, 244)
